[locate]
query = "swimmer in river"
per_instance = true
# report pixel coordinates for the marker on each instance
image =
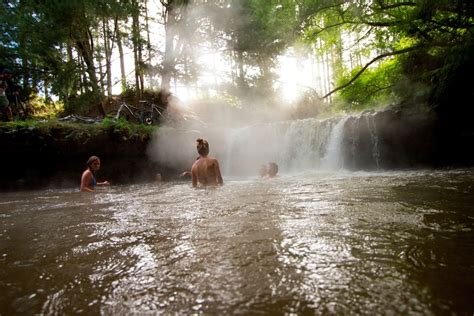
(205, 170)
(88, 181)
(269, 170)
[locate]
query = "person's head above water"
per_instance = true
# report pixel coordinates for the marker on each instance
(272, 169)
(93, 163)
(202, 147)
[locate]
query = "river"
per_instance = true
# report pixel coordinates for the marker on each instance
(307, 243)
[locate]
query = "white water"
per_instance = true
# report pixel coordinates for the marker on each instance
(296, 146)
(334, 159)
(374, 139)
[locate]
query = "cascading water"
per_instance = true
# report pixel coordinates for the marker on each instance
(296, 146)
(334, 158)
(369, 141)
(374, 139)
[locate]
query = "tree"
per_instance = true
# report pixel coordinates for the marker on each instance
(255, 33)
(172, 16)
(420, 30)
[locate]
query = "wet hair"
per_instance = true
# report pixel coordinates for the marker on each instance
(272, 168)
(202, 146)
(91, 160)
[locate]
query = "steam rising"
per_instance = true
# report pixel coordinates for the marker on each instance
(243, 144)
(257, 128)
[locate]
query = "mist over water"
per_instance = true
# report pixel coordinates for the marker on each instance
(295, 145)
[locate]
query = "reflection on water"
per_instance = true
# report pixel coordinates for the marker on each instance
(369, 243)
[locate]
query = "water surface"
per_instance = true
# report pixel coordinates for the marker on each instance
(361, 243)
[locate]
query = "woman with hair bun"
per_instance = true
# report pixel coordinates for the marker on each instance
(205, 170)
(88, 181)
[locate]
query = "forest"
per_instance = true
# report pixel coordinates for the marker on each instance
(75, 56)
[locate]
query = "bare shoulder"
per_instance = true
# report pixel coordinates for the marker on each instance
(86, 173)
(213, 160)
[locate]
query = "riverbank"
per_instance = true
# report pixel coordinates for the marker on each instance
(53, 154)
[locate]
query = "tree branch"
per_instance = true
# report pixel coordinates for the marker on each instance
(397, 52)
(396, 5)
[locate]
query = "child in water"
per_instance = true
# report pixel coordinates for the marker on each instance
(88, 181)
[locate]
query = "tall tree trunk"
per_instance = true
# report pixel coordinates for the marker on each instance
(328, 71)
(324, 74)
(136, 48)
(140, 67)
(108, 55)
(100, 62)
(85, 47)
(46, 87)
(148, 44)
(241, 74)
(169, 59)
(123, 76)
(23, 51)
(83, 76)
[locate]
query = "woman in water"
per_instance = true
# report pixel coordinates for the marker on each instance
(205, 170)
(88, 181)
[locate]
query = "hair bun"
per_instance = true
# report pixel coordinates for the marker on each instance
(200, 140)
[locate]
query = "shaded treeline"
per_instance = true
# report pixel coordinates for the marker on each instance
(367, 52)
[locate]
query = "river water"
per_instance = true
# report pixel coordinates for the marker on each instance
(315, 242)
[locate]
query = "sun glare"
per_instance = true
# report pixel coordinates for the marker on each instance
(287, 74)
(295, 76)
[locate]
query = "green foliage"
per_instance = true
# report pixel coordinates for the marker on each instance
(451, 83)
(53, 46)
(44, 109)
(81, 104)
(430, 39)
(79, 131)
(256, 33)
(127, 129)
(373, 88)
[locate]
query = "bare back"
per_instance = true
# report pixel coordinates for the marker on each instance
(206, 171)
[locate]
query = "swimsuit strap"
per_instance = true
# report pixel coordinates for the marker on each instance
(93, 181)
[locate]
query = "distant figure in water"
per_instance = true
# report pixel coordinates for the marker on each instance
(205, 170)
(269, 170)
(263, 171)
(88, 181)
(272, 169)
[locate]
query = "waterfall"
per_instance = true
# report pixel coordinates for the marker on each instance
(374, 139)
(334, 159)
(296, 146)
